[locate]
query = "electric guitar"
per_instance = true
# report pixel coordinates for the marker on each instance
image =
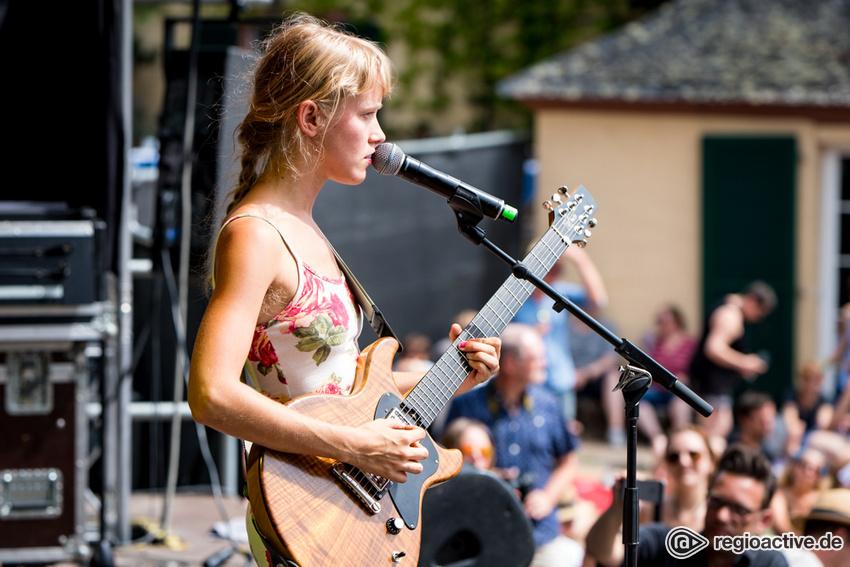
(316, 511)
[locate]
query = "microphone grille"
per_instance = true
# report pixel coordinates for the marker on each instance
(387, 159)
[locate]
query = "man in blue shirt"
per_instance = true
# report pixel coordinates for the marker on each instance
(555, 327)
(534, 448)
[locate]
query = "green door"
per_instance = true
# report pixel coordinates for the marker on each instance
(748, 234)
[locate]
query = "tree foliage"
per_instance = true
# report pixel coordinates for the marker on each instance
(456, 51)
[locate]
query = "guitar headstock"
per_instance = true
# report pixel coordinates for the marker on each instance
(572, 215)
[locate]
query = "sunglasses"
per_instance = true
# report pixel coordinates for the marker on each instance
(484, 451)
(675, 457)
(738, 511)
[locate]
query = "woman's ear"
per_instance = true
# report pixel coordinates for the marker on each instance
(309, 118)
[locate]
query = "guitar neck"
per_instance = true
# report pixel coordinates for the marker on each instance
(425, 401)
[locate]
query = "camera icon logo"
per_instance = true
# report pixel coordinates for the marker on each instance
(682, 542)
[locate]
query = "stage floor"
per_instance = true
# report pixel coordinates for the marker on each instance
(191, 538)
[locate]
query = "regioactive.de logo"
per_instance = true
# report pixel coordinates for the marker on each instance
(682, 542)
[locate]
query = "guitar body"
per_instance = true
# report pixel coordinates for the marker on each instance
(316, 511)
(313, 518)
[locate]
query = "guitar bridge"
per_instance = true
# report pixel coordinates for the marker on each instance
(368, 488)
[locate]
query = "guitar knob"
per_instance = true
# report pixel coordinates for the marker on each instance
(394, 526)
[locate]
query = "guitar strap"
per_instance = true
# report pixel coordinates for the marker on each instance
(276, 558)
(376, 319)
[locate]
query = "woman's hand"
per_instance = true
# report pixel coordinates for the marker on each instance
(388, 448)
(483, 356)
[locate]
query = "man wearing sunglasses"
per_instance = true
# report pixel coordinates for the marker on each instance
(738, 503)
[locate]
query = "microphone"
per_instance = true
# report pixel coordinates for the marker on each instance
(388, 159)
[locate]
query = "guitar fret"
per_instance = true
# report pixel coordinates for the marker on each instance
(491, 330)
(435, 403)
(474, 327)
(431, 404)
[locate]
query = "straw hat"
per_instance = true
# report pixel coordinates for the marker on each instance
(832, 506)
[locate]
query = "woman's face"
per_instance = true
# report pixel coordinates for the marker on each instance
(808, 468)
(665, 323)
(352, 137)
(688, 459)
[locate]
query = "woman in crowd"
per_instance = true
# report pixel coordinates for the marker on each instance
(804, 478)
(672, 346)
(687, 467)
(473, 439)
(805, 408)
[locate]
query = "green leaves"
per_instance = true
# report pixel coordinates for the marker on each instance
(320, 337)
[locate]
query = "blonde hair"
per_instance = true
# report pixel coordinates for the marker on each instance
(304, 59)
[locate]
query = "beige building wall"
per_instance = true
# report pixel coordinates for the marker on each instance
(645, 171)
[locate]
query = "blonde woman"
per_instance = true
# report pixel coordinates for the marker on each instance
(279, 299)
(687, 466)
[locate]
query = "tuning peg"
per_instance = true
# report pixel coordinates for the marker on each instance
(556, 198)
(580, 243)
(548, 206)
(592, 223)
(564, 190)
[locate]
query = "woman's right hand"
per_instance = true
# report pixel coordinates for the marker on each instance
(388, 448)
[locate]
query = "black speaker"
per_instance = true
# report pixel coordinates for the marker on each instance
(474, 520)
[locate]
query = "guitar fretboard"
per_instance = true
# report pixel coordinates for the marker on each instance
(425, 401)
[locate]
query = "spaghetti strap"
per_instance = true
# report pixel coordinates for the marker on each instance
(295, 256)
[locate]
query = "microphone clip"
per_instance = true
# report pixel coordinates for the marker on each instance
(467, 225)
(466, 205)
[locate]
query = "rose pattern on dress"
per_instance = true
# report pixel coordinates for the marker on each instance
(315, 300)
(263, 353)
(317, 330)
(332, 386)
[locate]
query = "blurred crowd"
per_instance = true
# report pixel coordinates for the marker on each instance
(758, 464)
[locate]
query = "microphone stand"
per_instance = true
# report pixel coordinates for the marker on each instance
(635, 378)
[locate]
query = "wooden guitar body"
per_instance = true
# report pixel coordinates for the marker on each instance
(311, 516)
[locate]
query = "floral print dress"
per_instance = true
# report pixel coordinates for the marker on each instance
(310, 346)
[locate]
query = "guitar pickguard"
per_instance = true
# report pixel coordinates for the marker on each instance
(406, 495)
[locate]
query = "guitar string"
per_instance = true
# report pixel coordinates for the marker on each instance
(424, 396)
(429, 397)
(422, 401)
